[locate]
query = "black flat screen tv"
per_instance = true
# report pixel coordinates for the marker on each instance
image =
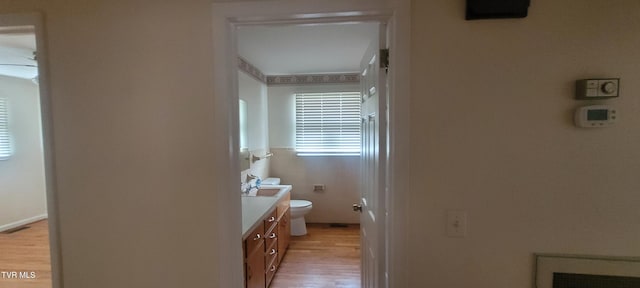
(491, 9)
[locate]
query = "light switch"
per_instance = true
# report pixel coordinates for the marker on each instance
(592, 92)
(456, 223)
(593, 89)
(592, 84)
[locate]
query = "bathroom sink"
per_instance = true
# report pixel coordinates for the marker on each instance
(268, 191)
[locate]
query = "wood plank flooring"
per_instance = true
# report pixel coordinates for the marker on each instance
(26, 251)
(327, 257)
(324, 258)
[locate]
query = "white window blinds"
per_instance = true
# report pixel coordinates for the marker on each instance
(5, 141)
(328, 123)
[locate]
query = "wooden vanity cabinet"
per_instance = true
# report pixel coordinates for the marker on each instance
(265, 247)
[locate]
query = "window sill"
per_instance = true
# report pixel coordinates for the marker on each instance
(314, 154)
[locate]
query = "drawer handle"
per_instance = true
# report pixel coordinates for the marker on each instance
(271, 219)
(258, 237)
(273, 268)
(273, 251)
(272, 236)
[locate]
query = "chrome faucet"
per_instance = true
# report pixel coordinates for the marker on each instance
(246, 186)
(251, 177)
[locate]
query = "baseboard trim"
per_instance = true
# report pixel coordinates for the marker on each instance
(22, 222)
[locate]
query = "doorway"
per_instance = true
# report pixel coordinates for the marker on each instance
(286, 72)
(228, 16)
(28, 238)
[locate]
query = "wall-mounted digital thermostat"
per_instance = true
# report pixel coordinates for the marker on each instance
(596, 116)
(597, 88)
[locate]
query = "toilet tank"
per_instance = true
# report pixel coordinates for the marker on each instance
(271, 181)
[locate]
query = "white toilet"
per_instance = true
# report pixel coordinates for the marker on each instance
(299, 208)
(271, 181)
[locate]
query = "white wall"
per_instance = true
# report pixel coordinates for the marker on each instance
(492, 134)
(340, 175)
(138, 140)
(22, 182)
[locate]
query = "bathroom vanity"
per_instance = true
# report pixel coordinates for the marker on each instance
(265, 233)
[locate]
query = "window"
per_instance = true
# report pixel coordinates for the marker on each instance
(328, 123)
(5, 141)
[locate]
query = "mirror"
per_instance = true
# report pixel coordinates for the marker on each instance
(244, 149)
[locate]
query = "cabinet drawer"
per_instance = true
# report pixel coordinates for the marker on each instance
(271, 268)
(271, 237)
(271, 254)
(256, 237)
(269, 221)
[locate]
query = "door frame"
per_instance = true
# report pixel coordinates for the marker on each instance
(227, 16)
(37, 21)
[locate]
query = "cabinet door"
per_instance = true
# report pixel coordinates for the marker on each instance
(284, 232)
(254, 239)
(255, 268)
(254, 261)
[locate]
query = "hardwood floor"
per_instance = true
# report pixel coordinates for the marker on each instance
(26, 251)
(325, 257)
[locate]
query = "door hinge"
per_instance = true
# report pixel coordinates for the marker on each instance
(384, 59)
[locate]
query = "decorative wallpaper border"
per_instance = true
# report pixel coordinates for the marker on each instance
(304, 79)
(248, 68)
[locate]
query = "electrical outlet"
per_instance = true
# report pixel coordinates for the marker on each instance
(318, 187)
(457, 223)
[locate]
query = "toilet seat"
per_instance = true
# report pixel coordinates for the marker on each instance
(300, 203)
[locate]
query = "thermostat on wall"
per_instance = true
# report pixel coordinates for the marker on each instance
(597, 88)
(594, 116)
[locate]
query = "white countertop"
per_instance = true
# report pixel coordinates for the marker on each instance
(255, 208)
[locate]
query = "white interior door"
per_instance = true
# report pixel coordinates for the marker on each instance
(373, 158)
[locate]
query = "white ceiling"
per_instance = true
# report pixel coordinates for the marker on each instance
(305, 49)
(276, 50)
(16, 50)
